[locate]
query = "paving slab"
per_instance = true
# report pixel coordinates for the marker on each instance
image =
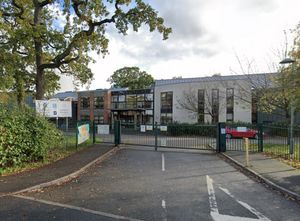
(272, 169)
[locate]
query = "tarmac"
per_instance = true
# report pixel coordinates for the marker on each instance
(274, 173)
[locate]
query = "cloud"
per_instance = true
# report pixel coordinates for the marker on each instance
(190, 37)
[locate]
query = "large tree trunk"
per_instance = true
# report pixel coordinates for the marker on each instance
(39, 79)
(20, 88)
(39, 84)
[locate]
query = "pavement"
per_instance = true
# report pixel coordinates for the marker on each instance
(273, 172)
(59, 169)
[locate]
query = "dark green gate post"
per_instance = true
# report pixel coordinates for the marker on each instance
(221, 137)
(156, 135)
(94, 131)
(117, 129)
(77, 132)
(260, 137)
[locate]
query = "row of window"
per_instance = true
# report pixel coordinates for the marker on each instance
(98, 102)
(132, 98)
(166, 109)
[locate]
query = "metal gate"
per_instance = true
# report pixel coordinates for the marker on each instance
(200, 137)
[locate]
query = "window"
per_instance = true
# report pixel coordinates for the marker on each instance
(85, 102)
(201, 103)
(99, 119)
(85, 118)
(166, 118)
(215, 105)
(166, 109)
(149, 97)
(229, 104)
(131, 101)
(99, 102)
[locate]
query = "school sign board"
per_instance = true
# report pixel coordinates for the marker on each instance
(54, 108)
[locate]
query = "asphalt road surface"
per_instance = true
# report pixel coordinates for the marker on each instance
(147, 185)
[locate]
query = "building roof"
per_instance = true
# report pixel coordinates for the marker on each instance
(255, 78)
(67, 94)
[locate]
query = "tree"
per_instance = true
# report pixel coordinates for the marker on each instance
(52, 36)
(189, 101)
(131, 77)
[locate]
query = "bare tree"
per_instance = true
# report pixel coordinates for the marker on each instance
(189, 101)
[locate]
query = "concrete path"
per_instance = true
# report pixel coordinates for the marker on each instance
(278, 172)
(53, 171)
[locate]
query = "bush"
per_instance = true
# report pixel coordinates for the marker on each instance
(24, 136)
(182, 129)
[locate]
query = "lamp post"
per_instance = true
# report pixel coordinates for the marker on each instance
(293, 62)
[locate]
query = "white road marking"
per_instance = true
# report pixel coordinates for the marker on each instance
(211, 195)
(163, 204)
(245, 205)
(214, 211)
(221, 217)
(163, 162)
(77, 208)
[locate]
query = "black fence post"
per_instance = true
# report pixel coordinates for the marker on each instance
(156, 135)
(260, 137)
(94, 131)
(221, 137)
(117, 130)
(76, 133)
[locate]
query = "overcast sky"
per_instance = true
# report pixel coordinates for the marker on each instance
(207, 37)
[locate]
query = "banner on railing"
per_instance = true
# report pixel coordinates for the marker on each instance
(83, 133)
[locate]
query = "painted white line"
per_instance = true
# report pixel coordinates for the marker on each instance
(163, 204)
(214, 211)
(211, 195)
(163, 168)
(245, 205)
(221, 217)
(77, 208)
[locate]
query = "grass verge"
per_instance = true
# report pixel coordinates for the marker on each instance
(67, 148)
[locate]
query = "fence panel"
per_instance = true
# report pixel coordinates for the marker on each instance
(235, 134)
(277, 142)
(104, 133)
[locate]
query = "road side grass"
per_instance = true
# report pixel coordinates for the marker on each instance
(282, 152)
(67, 148)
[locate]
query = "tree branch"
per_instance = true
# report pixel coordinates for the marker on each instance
(17, 14)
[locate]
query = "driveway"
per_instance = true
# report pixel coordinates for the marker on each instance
(143, 184)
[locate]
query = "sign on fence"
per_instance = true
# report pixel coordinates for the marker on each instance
(83, 133)
(143, 128)
(103, 129)
(54, 108)
(149, 127)
(164, 128)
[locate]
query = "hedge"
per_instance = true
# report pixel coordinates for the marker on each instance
(178, 129)
(24, 136)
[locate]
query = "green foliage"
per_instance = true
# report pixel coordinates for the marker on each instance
(40, 38)
(183, 129)
(24, 137)
(132, 78)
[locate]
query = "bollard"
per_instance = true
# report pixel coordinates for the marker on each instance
(246, 142)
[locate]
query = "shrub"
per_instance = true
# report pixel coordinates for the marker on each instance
(182, 129)
(24, 136)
